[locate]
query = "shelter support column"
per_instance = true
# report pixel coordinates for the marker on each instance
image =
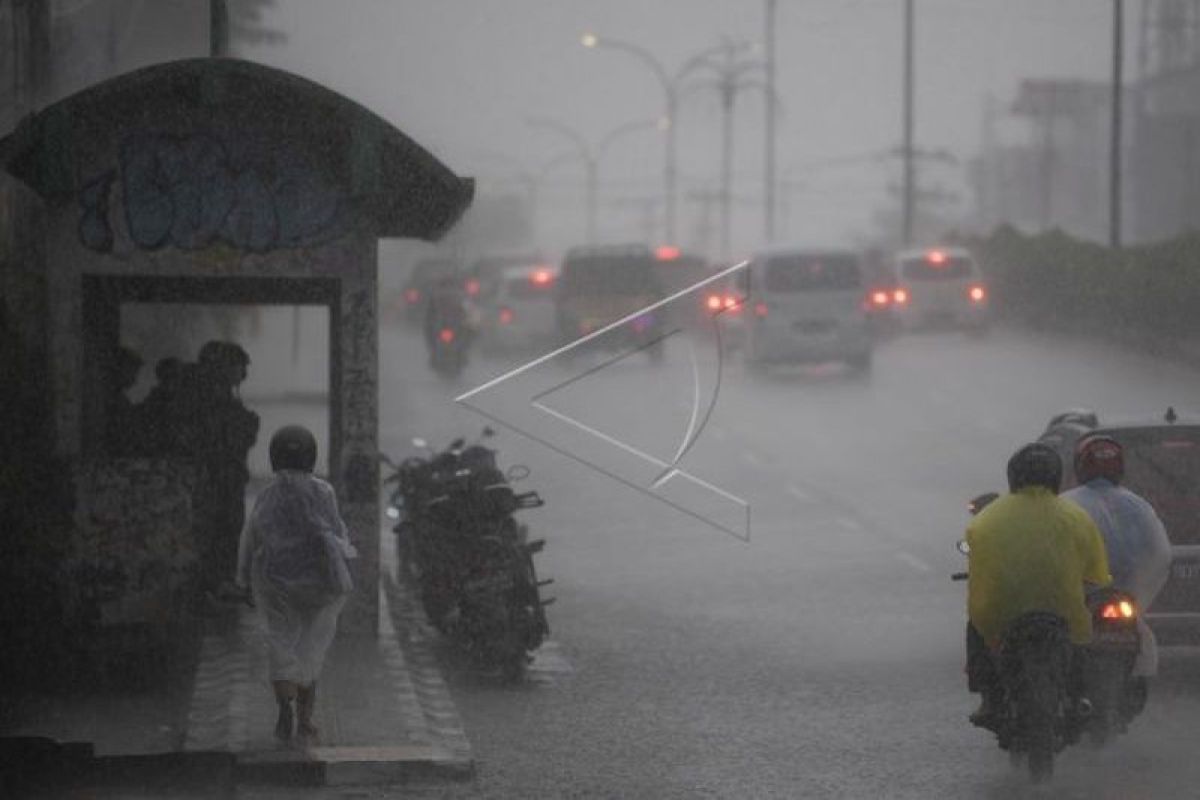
(354, 429)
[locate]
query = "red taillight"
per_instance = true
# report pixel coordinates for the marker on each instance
(900, 296)
(977, 294)
(506, 316)
(446, 335)
(760, 309)
(472, 287)
(936, 257)
(713, 302)
(733, 303)
(879, 298)
(411, 296)
(667, 253)
(1122, 609)
(541, 277)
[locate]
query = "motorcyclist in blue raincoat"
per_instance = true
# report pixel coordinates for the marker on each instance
(1139, 552)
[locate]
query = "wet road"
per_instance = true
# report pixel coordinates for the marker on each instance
(823, 657)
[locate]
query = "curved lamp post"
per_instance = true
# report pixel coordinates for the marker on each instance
(590, 156)
(670, 83)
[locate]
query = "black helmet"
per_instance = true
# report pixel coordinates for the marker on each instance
(293, 447)
(1035, 464)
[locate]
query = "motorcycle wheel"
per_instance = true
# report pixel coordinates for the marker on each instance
(1038, 723)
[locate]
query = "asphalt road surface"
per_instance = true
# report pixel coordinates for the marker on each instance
(823, 657)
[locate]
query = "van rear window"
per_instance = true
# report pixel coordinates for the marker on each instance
(1163, 466)
(609, 275)
(808, 273)
(950, 268)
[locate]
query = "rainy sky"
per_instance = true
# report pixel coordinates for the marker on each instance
(464, 77)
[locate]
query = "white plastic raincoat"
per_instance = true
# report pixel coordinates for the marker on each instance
(293, 553)
(1139, 552)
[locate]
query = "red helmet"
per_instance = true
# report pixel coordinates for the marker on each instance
(1099, 457)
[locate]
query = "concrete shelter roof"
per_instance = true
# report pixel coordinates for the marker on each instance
(227, 117)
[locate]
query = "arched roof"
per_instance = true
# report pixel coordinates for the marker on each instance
(237, 130)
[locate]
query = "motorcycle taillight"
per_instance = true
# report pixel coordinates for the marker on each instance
(1120, 609)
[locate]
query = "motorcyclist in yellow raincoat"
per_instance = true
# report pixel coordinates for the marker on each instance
(1028, 551)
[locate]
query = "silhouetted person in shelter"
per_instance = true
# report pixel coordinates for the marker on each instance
(122, 429)
(220, 437)
(158, 412)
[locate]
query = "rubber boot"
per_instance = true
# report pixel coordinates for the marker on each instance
(306, 703)
(285, 695)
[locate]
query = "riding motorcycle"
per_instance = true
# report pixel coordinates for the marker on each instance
(1105, 665)
(1108, 682)
(450, 325)
(459, 543)
(1039, 710)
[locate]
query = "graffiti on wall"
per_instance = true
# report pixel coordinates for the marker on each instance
(190, 192)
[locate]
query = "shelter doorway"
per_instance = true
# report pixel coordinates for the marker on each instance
(294, 367)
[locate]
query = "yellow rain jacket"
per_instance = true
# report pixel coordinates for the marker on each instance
(1031, 551)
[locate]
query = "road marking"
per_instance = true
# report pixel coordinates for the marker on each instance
(913, 561)
(847, 522)
(799, 494)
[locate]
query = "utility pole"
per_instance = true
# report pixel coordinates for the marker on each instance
(218, 28)
(909, 171)
(1114, 183)
(769, 159)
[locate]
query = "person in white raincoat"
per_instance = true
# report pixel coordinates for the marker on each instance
(293, 554)
(1139, 552)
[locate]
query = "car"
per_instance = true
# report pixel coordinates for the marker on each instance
(414, 294)
(519, 311)
(806, 305)
(1162, 464)
(724, 304)
(601, 284)
(939, 287)
(482, 277)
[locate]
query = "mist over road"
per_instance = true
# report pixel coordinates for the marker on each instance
(823, 657)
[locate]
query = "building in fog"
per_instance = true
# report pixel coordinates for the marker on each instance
(1052, 171)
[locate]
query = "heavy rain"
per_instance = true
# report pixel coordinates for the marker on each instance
(671, 399)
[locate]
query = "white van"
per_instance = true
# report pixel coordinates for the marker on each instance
(939, 287)
(806, 306)
(518, 311)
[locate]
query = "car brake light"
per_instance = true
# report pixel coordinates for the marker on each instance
(472, 287)
(977, 294)
(936, 257)
(900, 296)
(733, 303)
(713, 302)
(1119, 610)
(506, 316)
(446, 335)
(667, 253)
(879, 298)
(760, 309)
(412, 295)
(541, 277)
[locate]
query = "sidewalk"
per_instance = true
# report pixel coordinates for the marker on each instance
(383, 710)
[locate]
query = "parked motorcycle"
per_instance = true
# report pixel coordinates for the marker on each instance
(461, 546)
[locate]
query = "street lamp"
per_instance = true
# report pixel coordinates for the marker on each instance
(670, 84)
(731, 74)
(590, 155)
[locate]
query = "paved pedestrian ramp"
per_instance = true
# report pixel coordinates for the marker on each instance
(383, 710)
